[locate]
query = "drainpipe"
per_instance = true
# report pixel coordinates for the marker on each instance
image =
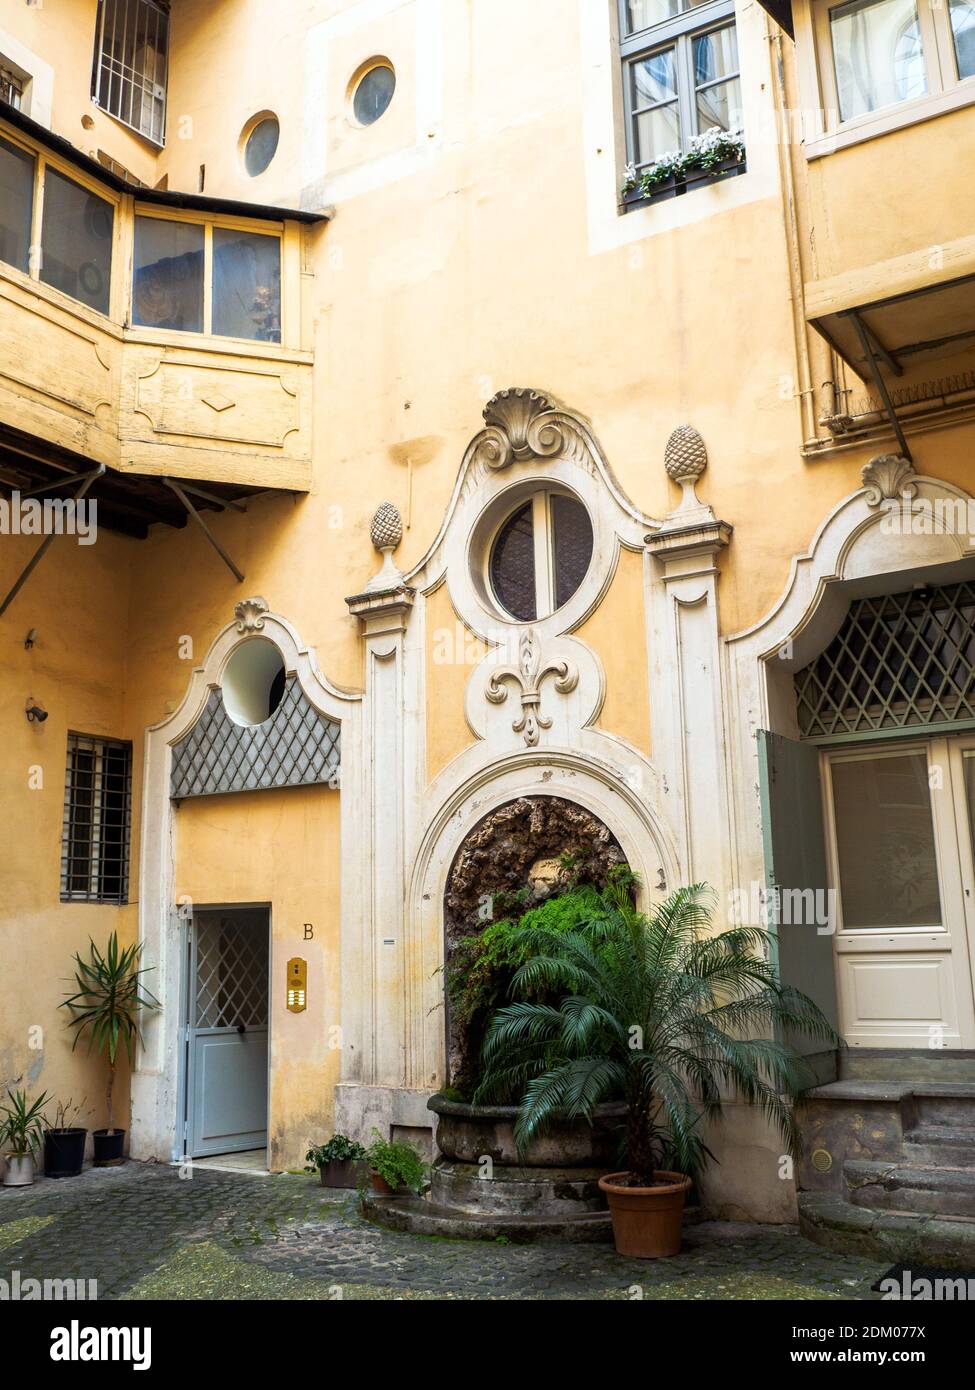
(806, 393)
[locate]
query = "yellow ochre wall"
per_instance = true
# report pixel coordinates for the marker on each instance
(460, 265)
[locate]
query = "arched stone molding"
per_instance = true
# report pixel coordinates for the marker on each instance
(156, 1079)
(529, 441)
(861, 548)
(607, 777)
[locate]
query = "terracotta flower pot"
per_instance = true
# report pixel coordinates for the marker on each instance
(646, 1220)
(380, 1185)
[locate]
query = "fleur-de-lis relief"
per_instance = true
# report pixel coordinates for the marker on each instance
(528, 676)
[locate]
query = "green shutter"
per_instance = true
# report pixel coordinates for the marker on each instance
(795, 864)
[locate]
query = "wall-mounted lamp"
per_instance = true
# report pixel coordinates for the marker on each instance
(36, 714)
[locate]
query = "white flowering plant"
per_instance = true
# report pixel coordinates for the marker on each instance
(707, 151)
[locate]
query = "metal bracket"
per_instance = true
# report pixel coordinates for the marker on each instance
(181, 489)
(868, 342)
(87, 480)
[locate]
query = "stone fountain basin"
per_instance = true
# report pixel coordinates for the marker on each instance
(468, 1133)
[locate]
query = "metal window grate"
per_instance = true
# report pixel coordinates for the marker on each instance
(129, 73)
(295, 747)
(231, 972)
(11, 88)
(97, 820)
(898, 661)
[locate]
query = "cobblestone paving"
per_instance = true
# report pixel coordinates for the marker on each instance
(143, 1232)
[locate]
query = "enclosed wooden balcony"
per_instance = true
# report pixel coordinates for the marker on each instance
(154, 333)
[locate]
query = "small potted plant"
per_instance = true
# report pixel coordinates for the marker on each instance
(340, 1163)
(107, 1005)
(395, 1167)
(21, 1131)
(64, 1142)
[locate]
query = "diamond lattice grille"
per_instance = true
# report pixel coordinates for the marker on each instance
(231, 972)
(898, 661)
(293, 748)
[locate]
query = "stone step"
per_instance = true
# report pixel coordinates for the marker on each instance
(422, 1217)
(894, 1237)
(945, 1102)
(905, 1064)
(940, 1146)
(898, 1187)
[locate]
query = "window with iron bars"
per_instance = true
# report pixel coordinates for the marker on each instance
(129, 73)
(898, 662)
(97, 820)
(11, 88)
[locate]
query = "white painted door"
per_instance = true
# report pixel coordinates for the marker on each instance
(228, 1032)
(903, 876)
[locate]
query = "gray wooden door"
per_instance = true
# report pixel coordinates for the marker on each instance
(226, 1092)
(796, 872)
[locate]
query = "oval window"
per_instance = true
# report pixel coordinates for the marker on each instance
(373, 93)
(253, 682)
(540, 555)
(261, 145)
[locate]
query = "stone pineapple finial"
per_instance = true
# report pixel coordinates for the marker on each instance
(386, 532)
(685, 459)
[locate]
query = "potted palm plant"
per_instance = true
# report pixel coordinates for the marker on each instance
(658, 1010)
(106, 1008)
(21, 1131)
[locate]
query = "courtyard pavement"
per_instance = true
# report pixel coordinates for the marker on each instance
(146, 1233)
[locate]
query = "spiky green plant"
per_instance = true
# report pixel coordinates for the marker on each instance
(657, 1010)
(106, 1007)
(22, 1123)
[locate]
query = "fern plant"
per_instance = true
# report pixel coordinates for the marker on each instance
(108, 1003)
(657, 1011)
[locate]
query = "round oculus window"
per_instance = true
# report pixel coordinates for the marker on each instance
(373, 93)
(253, 682)
(261, 145)
(540, 556)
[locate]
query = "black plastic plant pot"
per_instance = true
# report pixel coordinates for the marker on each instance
(64, 1152)
(109, 1146)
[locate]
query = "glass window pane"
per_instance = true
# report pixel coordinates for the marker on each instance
(261, 146)
(16, 195)
(373, 94)
(653, 79)
(513, 565)
(572, 545)
(963, 29)
(720, 106)
(640, 14)
(716, 55)
(167, 284)
(657, 133)
(877, 54)
(885, 842)
(246, 285)
(76, 241)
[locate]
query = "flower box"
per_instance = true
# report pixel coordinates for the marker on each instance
(677, 184)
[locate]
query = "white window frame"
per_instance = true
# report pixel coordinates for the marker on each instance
(543, 537)
(946, 90)
(678, 32)
(125, 13)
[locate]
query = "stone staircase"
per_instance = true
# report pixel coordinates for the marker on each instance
(889, 1162)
